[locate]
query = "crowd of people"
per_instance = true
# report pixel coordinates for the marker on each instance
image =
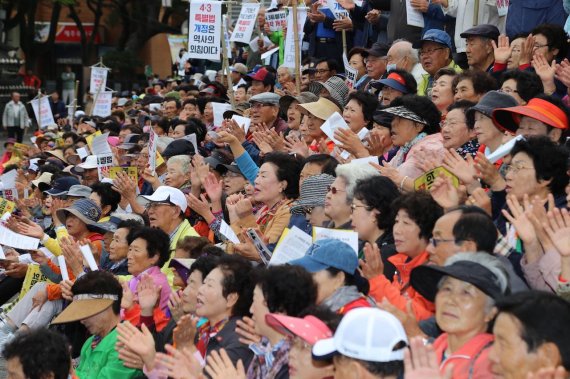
(446, 159)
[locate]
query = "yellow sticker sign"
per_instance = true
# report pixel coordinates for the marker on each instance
(6, 206)
(425, 181)
(130, 171)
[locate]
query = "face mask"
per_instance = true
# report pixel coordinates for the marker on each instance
(390, 67)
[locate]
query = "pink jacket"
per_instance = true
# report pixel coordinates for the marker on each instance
(471, 361)
(543, 274)
(411, 166)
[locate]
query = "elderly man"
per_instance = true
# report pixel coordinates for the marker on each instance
(531, 334)
(15, 117)
(479, 46)
(97, 304)
(435, 53)
(265, 110)
(261, 81)
(172, 108)
(402, 55)
(165, 209)
(325, 69)
(376, 59)
(178, 171)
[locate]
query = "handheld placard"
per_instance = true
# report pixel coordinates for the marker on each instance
(63, 267)
(88, 255)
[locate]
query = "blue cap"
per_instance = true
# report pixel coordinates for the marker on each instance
(434, 35)
(395, 81)
(327, 253)
(62, 185)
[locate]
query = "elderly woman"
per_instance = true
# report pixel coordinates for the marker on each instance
(372, 216)
(415, 129)
(315, 114)
(288, 105)
(178, 171)
(456, 133)
(148, 252)
(397, 83)
(312, 200)
(416, 214)
(283, 289)
(285, 75)
(276, 186)
(522, 85)
(356, 61)
(357, 113)
(464, 292)
(472, 85)
(339, 197)
(442, 90)
(334, 266)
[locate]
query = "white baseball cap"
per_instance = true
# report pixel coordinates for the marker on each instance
(366, 334)
(165, 194)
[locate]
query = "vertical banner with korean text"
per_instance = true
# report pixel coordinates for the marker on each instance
(205, 30)
(289, 59)
(98, 80)
(102, 107)
(245, 23)
(42, 111)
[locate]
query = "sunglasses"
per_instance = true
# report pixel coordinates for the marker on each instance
(334, 190)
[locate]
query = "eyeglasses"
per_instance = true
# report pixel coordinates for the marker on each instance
(514, 168)
(430, 51)
(321, 71)
(538, 46)
(437, 241)
(354, 206)
(259, 105)
(334, 190)
(155, 204)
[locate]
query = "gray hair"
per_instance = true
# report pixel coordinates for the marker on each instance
(351, 173)
(290, 70)
(183, 160)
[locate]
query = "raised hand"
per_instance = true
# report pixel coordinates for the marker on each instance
(481, 199)
(178, 364)
(444, 193)
(502, 49)
(351, 142)
(489, 173)
(128, 298)
(148, 294)
(558, 229)
(185, 332)
(139, 342)
(220, 366)
(175, 306)
(527, 50)
(246, 329)
(66, 291)
(420, 362)
(518, 218)
(72, 253)
(544, 69)
(213, 187)
(372, 266)
(464, 169)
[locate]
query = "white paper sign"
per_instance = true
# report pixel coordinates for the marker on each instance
(350, 72)
(17, 241)
(100, 145)
(365, 160)
(152, 151)
(276, 20)
(98, 81)
(289, 57)
(2, 255)
(9, 179)
(104, 164)
(245, 23)
(244, 122)
(267, 55)
(255, 47)
(502, 7)
(42, 111)
(88, 255)
(413, 16)
(219, 109)
(228, 232)
(102, 106)
(347, 236)
(63, 267)
(293, 245)
(504, 149)
(333, 123)
(205, 30)
(83, 152)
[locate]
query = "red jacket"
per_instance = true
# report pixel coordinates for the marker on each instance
(399, 291)
(471, 361)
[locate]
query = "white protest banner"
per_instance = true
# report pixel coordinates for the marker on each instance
(9, 179)
(219, 109)
(98, 81)
(42, 106)
(63, 267)
(347, 236)
(289, 57)
(292, 245)
(103, 105)
(413, 16)
(337, 10)
(228, 232)
(245, 23)
(100, 145)
(350, 73)
(276, 20)
(205, 30)
(266, 57)
(88, 255)
(152, 151)
(333, 123)
(83, 152)
(104, 164)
